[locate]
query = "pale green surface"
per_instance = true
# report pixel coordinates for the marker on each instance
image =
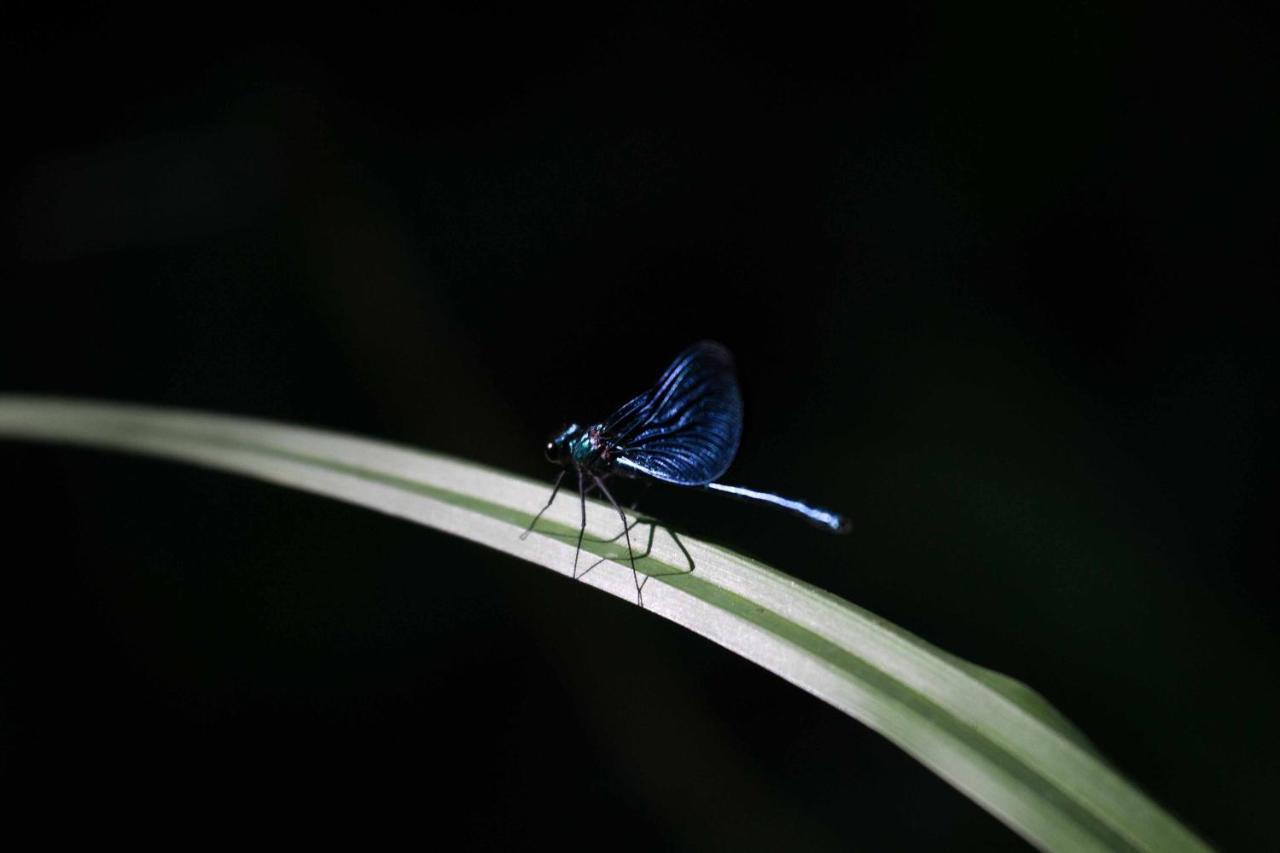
(991, 737)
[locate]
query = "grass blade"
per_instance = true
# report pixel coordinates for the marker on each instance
(991, 737)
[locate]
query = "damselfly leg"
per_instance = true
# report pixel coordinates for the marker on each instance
(554, 490)
(654, 525)
(585, 488)
(582, 497)
(626, 531)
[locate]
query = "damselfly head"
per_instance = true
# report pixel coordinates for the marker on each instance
(558, 451)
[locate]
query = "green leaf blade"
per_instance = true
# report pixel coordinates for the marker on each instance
(988, 735)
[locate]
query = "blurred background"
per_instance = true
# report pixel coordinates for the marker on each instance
(999, 280)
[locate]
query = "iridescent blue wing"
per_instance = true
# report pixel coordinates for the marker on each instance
(685, 429)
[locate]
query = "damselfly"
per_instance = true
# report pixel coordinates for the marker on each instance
(684, 431)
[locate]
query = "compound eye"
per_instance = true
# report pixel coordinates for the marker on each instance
(553, 452)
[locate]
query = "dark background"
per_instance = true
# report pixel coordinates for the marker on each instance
(1000, 283)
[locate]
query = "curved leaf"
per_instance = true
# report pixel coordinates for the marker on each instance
(989, 736)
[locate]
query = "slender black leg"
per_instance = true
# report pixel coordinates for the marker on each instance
(582, 497)
(626, 529)
(554, 490)
(648, 548)
(591, 488)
